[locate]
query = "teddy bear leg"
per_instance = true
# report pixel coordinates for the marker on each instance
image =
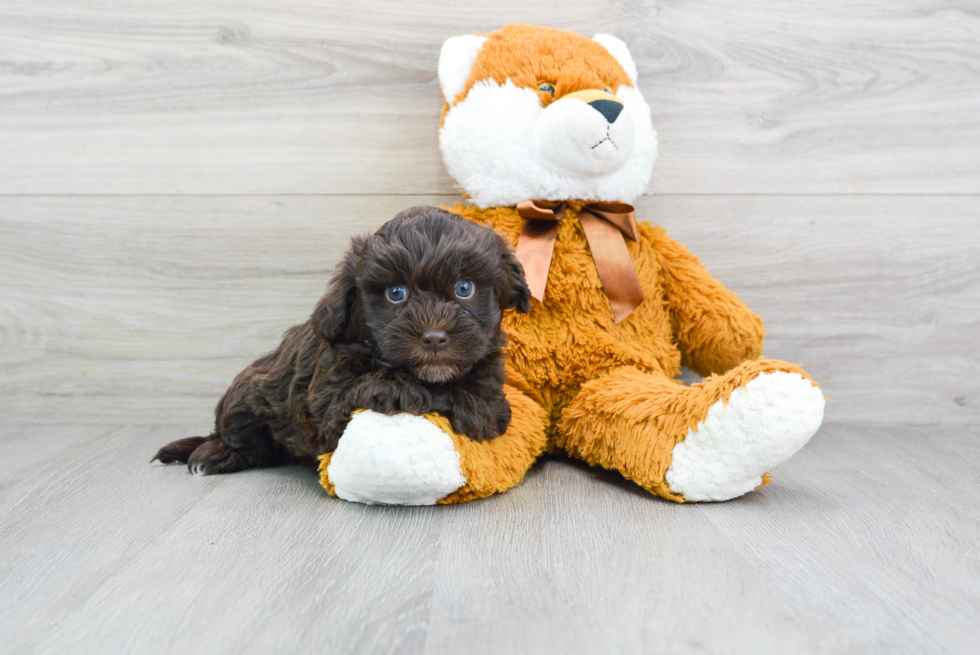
(418, 460)
(714, 440)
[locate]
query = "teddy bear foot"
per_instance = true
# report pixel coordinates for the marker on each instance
(394, 460)
(762, 425)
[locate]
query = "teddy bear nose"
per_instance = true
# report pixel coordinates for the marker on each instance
(609, 109)
(435, 340)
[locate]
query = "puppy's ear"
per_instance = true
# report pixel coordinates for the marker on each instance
(518, 294)
(337, 317)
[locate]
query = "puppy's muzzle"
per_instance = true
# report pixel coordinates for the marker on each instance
(435, 341)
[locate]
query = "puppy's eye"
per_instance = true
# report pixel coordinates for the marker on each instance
(397, 293)
(608, 90)
(547, 88)
(464, 289)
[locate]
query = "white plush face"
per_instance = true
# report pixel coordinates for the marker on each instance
(503, 146)
(584, 136)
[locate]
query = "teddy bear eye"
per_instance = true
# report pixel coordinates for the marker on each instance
(397, 293)
(464, 289)
(608, 90)
(547, 88)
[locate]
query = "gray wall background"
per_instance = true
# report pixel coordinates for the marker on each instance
(178, 180)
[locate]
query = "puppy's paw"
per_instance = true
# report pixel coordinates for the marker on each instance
(481, 421)
(179, 451)
(477, 429)
(481, 428)
(215, 456)
(394, 460)
(501, 425)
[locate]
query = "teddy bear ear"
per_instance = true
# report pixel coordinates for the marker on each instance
(455, 62)
(620, 53)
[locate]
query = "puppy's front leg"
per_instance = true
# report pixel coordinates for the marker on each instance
(391, 394)
(377, 392)
(479, 418)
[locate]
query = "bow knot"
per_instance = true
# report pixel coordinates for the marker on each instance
(607, 225)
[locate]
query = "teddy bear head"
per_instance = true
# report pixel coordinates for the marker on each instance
(539, 113)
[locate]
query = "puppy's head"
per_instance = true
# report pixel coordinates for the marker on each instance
(428, 290)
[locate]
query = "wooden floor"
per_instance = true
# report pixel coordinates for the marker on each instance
(178, 180)
(867, 541)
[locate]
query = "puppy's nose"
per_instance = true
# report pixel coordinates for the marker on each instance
(608, 108)
(435, 340)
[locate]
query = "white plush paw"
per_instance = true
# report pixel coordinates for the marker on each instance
(762, 425)
(394, 460)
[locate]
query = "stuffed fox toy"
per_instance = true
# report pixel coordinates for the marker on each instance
(548, 136)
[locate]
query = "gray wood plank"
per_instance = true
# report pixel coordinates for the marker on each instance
(93, 510)
(580, 561)
(211, 96)
(865, 542)
(25, 450)
(865, 531)
(112, 556)
(141, 310)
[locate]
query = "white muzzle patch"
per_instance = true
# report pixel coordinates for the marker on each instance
(576, 138)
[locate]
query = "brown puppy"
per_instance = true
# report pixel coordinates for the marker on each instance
(409, 323)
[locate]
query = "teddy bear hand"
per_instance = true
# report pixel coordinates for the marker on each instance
(392, 460)
(762, 425)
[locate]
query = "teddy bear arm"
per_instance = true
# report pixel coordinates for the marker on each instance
(496, 465)
(407, 459)
(714, 329)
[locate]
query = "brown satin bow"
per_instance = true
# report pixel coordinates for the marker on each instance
(605, 225)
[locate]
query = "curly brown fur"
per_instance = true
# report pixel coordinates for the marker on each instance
(361, 350)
